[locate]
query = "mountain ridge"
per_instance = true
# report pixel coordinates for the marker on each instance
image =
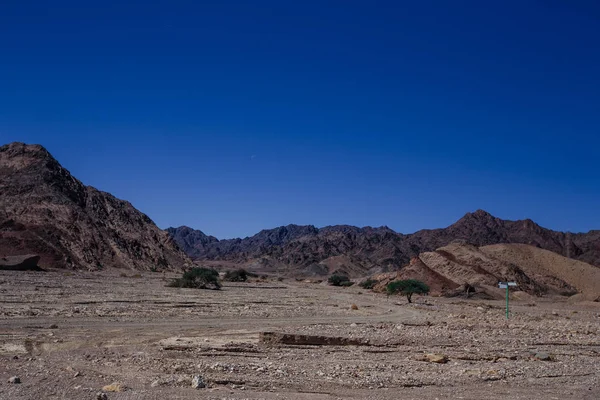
(304, 247)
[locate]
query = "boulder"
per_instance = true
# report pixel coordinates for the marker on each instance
(198, 382)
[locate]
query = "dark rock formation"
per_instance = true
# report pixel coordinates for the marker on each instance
(44, 210)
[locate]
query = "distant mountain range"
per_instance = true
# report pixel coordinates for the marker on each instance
(44, 210)
(307, 250)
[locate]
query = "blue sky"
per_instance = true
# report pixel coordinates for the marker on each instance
(232, 117)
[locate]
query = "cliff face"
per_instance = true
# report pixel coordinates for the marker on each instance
(44, 210)
(306, 249)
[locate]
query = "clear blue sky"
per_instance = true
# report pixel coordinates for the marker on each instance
(232, 117)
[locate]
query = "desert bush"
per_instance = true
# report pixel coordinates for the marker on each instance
(339, 280)
(198, 278)
(238, 275)
(407, 288)
(368, 283)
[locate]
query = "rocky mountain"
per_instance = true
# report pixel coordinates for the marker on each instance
(358, 251)
(44, 210)
(192, 242)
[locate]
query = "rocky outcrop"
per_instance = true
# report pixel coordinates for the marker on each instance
(45, 210)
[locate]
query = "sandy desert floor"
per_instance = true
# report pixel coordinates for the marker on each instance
(68, 335)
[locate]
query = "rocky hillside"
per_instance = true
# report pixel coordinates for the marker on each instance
(536, 271)
(44, 210)
(305, 250)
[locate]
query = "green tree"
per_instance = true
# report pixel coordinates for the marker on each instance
(198, 278)
(407, 288)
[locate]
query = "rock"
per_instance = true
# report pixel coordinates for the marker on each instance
(53, 326)
(14, 380)
(198, 382)
(354, 307)
(101, 396)
(543, 356)
(20, 263)
(114, 387)
(155, 384)
(309, 340)
(435, 358)
(353, 325)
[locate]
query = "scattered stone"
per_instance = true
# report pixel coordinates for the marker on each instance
(77, 374)
(53, 326)
(101, 396)
(155, 384)
(354, 307)
(198, 382)
(14, 380)
(353, 325)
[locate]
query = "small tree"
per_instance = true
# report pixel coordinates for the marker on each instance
(198, 278)
(339, 280)
(407, 288)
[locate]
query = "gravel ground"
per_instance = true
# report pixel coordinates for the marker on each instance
(69, 335)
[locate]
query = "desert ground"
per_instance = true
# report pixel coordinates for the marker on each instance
(73, 335)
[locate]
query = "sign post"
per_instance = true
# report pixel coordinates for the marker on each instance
(506, 285)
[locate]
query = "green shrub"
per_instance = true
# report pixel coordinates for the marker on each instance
(198, 278)
(407, 288)
(338, 280)
(238, 275)
(368, 283)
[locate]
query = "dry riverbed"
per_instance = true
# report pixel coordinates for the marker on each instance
(73, 335)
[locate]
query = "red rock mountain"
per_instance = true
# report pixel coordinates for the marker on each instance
(306, 250)
(44, 210)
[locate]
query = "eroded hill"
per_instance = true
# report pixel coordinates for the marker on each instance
(536, 271)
